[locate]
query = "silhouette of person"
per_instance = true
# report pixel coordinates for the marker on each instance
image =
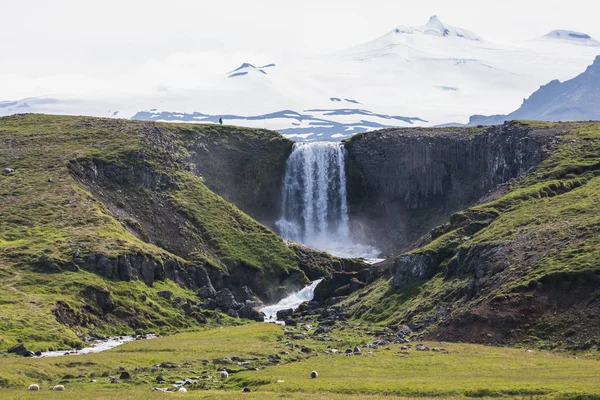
(221, 121)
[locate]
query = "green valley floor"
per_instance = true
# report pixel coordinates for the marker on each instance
(275, 362)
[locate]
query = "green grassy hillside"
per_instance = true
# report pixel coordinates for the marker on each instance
(523, 266)
(105, 207)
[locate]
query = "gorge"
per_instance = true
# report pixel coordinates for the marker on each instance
(170, 222)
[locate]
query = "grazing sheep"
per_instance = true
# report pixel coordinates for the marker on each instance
(34, 387)
(59, 388)
(313, 374)
(224, 374)
(182, 390)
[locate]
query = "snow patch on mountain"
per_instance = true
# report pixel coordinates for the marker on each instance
(572, 36)
(313, 124)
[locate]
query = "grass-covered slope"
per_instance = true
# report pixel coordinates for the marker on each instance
(111, 209)
(522, 266)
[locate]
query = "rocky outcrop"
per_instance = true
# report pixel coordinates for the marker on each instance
(412, 268)
(340, 284)
(404, 182)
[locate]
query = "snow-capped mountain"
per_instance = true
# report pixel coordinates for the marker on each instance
(577, 99)
(247, 68)
(412, 75)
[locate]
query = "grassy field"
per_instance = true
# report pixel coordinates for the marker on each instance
(464, 371)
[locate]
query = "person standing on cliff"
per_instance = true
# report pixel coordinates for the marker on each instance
(220, 120)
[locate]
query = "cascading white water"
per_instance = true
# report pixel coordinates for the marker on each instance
(314, 204)
(292, 301)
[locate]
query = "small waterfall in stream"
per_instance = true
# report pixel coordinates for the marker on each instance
(314, 205)
(292, 301)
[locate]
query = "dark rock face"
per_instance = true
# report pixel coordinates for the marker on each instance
(412, 268)
(404, 182)
(340, 284)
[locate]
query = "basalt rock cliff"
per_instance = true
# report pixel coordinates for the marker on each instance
(518, 266)
(403, 182)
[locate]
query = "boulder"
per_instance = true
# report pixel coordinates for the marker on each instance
(165, 294)
(207, 292)
(8, 170)
(232, 313)
(125, 375)
(249, 312)
(20, 350)
(408, 269)
(225, 300)
(187, 308)
(283, 314)
(210, 304)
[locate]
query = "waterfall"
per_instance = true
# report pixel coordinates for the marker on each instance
(314, 203)
(292, 301)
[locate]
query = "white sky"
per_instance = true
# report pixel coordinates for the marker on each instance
(109, 38)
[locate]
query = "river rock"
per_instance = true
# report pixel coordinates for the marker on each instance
(249, 312)
(283, 314)
(20, 350)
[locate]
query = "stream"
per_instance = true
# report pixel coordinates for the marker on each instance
(97, 347)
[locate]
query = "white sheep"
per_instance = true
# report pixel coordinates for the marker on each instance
(59, 388)
(313, 374)
(182, 390)
(224, 374)
(35, 387)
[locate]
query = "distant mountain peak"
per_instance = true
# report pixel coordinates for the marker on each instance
(247, 67)
(435, 27)
(572, 36)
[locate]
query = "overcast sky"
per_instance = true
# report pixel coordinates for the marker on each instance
(108, 38)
